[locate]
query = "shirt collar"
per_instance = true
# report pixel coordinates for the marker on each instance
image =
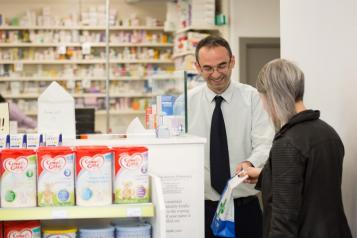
(227, 94)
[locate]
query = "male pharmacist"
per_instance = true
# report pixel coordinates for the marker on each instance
(239, 134)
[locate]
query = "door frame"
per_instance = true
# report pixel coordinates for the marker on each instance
(249, 42)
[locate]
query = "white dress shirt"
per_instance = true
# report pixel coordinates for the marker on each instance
(249, 130)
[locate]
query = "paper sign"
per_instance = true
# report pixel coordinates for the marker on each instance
(86, 48)
(56, 112)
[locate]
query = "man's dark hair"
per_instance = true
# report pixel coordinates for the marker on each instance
(213, 41)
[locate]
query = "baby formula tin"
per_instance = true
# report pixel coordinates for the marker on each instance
(131, 181)
(18, 178)
(133, 230)
(97, 232)
(93, 175)
(55, 183)
(59, 232)
(22, 229)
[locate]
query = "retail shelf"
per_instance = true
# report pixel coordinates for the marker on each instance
(91, 61)
(112, 78)
(77, 212)
(83, 95)
(103, 112)
(97, 44)
(153, 28)
(198, 28)
(184, 53)
(120, 112)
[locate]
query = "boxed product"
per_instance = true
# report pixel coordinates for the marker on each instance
(131, 180)
(18, 178)
(93, 175)
(55, 183)
(22, 229)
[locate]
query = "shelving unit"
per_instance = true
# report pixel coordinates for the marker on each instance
(76, 212)
(131, 63)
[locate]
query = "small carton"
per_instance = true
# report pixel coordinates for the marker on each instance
(55, 172)
(18, 178)
(131, 180)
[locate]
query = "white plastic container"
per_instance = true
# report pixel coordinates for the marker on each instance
(133, 230)
(97, 232)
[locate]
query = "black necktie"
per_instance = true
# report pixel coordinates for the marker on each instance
(219, 157)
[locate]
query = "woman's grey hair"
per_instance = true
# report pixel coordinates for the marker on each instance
(282, 84)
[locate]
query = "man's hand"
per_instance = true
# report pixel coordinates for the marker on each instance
(242, 166)
(253, 174)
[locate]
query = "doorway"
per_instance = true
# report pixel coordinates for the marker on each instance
(254, 53)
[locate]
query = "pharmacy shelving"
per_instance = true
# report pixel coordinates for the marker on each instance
(122, 28)
(198, 28)
(89, 61)
(94, 44)
(183, 53)
(82, 95)
(23, 63)
(103, 112)
(76, 212)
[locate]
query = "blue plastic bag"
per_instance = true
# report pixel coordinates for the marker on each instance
(223, 221)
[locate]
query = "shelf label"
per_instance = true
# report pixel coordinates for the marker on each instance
(86, 48)
(61, 49)
(59, 214)
(19, 66)
(133, 212)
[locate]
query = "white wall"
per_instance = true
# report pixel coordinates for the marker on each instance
(320, 36)
(252, 18)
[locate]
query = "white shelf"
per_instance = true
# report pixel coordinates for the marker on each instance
(103, 112)
(112, 78)
(198, 28)
(76, 212)
(82, 95)
(99, 44)
(184, 53)
(149, 28)
(91, 61)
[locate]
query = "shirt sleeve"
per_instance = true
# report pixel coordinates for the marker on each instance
(287, 191)
(17, 115)
(262, 133)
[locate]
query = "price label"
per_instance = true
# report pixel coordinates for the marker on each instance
(59, 214)
(86, 48)
(61, 49)
(133, 212)
(19, 67)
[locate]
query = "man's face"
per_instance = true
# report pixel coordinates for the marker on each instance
(215, 66)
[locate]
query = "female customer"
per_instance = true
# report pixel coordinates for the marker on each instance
(301, 181)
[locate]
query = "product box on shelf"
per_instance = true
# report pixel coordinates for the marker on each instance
(18, 178)
(93, 175)
(26, 229)
(55, 185)
(131, 180)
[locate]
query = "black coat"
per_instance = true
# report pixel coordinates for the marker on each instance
(301, 181)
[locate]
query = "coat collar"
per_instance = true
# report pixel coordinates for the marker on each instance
(307, 115)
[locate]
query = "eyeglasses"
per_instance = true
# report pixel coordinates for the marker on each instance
(221, 68)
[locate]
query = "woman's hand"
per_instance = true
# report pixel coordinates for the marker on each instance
(253, 174)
